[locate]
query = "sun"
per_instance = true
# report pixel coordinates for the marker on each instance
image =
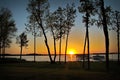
(71, 52)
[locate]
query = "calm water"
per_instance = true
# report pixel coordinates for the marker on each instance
(69, 57)
(46, 58)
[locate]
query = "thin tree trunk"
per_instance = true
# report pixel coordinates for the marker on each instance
(34, 47)
(21, 52)
(0, 50)
(87, 38)
(105, 29)
(54, 49)
(3, 49)
(60, 49)
(60, 42)
(34, 43)
(88, 49)
(54, 44)
(84, 53)
(118, 45)
(66, 45)
(116, 14)
(3, 53)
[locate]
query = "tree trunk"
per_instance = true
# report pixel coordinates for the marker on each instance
(34, 43)
(66, 45)
(88, 49)
(84, 53)
(0, 50)
(54, 44)
(54, 49)
(46, 43)
(3, 49)
(21, 52)
(117, 19)
(87, 38)
(45, 37)
(60, 49)
(118, 45)
(34, 47)
(105, 29)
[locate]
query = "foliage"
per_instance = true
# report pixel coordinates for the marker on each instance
(104, 20)
(7, 26)
(115, 21)
(108, 14)
(87, 8)
(39, 9)
(22, 39)
(7, 29)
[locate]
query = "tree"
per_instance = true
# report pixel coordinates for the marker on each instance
(60, 23)
(39, 9)
(22, 40)
(104, 20)
(70, 12)
(51, 24)
(33, 28)
(7, 29)
(116, 27)
(87, 7)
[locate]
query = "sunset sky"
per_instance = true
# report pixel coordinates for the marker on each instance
(77, 34)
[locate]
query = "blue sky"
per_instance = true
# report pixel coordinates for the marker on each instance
(18, 8)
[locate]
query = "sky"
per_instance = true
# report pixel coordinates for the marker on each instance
(77, 34)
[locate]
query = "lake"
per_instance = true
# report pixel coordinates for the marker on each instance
(46, 58)
(71, 57)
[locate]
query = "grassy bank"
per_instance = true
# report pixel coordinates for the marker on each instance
(47, 71)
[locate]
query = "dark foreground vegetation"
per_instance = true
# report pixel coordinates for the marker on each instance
(46, 71)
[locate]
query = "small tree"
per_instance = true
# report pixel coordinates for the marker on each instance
(22, 40)
(87, 7)
(51, 24)
(39, 10)
(70, 12)
(116, 27)
(33, 28)
(60, 23)
(7, 29)
(104, 20)
(56, 23)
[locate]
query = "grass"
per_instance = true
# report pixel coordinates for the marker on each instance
(68, 71)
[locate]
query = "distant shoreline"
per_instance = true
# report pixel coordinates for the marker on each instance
(8, 54)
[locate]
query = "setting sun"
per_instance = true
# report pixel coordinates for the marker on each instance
(71, 52)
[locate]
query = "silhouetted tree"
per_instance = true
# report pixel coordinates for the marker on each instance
(33, 28)
(87, 7)
(60, 23)
(39, 9)
(116, 27)
(104, 20)
(56, 23)
(7, 29)
(22, 40)
(70, 12)
(51, 24)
